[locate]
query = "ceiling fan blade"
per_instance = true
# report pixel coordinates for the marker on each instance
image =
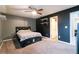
(31, 7)
(22, 9)
(40, 9)
(39, 13)
(19, 8)
(28, 10)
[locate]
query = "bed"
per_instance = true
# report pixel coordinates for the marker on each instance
(26, 37)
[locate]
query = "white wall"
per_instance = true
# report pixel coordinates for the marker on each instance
(8, 26)
(0, 29)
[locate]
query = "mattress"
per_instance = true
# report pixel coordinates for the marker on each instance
(28, 34)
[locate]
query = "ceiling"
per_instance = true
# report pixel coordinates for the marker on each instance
(48, 9)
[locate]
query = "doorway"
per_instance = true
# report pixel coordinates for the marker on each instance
(54, 28)
(74, 20)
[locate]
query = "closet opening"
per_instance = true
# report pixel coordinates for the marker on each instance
(54, 28)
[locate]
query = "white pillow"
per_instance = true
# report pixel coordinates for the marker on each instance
(23, 31)
(27, 30)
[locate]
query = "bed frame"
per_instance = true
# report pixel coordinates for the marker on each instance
(27, 41)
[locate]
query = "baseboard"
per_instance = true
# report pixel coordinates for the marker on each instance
(1, 44)
(6, 40)
(64, 42)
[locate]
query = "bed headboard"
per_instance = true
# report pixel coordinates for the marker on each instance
(22, 28)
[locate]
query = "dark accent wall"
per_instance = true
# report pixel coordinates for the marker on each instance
(43, 26)
(64, 33)
(63, 20)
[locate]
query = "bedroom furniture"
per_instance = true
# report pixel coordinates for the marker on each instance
(43, 26)
(26, 41)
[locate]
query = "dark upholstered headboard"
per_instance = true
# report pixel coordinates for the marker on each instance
(22, 28)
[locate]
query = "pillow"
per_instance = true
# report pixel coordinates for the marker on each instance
(23, 31)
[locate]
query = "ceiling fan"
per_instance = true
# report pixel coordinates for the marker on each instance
(38, 11)
(32, 9)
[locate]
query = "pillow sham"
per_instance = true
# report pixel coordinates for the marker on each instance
(23, 31)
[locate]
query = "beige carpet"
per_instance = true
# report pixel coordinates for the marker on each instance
(46, 46)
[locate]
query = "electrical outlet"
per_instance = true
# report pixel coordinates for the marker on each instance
(59, 37)
(33, 40)
(66, 27)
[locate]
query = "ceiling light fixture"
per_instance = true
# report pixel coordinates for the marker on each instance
(34, 12)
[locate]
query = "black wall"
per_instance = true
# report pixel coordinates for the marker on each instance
(44, 29)
(63, 20)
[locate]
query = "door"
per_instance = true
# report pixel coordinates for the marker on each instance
(54, 28)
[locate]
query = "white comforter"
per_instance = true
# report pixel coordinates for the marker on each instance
(23, 35)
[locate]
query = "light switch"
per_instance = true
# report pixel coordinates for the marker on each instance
(66, 27)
